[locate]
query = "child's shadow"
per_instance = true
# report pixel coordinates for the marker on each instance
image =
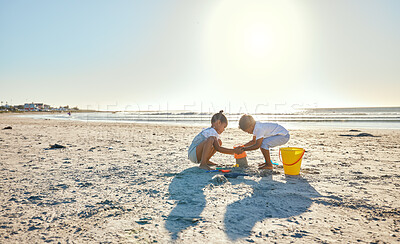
(187, 189)
(270, 199)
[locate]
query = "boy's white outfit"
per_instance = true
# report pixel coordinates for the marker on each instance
(274, 134)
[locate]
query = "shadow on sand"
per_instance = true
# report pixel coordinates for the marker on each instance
(187, 189)
(270, 199)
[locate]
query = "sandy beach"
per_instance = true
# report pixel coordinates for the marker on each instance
(133, 183)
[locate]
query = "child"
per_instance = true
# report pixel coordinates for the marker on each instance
(266, 135)
(207, 142)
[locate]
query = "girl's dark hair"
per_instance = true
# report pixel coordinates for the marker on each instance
(219, 116)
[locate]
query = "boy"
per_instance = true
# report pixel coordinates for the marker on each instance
(265, 136)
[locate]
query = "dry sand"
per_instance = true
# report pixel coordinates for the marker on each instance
(133, 183)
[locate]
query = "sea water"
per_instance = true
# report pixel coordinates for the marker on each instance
(373, 118)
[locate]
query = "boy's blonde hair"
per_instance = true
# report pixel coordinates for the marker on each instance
(246, 121)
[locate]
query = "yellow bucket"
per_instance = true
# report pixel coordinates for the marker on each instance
(291, 159)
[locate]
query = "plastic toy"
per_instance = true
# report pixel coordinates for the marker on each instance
(241, 159)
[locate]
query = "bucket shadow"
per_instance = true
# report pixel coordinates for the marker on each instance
(270, 199)
(190, 199)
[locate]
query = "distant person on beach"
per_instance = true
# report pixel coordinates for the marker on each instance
(208, 142)
(265, 136)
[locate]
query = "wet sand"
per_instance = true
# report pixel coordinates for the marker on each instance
(133, 183)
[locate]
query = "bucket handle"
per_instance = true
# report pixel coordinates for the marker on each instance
(280, 158)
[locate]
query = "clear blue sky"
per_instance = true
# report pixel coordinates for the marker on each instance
(200, 55)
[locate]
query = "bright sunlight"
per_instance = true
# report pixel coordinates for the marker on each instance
(258, 40)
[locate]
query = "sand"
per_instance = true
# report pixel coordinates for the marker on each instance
(130, 183)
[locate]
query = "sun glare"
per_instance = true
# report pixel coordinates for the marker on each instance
(258, 40)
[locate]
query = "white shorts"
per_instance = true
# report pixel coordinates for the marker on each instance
(274, 141)
(192, 155)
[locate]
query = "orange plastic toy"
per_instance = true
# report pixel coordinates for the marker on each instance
(241, 159)
(242, 155)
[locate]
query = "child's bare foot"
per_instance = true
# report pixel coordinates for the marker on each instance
(209, 163)
(204, 166)
(266, 167)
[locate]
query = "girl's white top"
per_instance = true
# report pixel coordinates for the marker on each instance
(264, 130)
(209, 132)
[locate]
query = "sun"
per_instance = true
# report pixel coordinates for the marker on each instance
(257, 40)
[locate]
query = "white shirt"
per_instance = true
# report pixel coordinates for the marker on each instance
(210, 132)
(264, 130)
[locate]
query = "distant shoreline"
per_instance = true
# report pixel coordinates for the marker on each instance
(332, 118)
(49, 112)
(326, 109)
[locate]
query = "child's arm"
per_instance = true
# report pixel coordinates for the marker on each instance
(225, 150)
(255, 146)
(252, 142)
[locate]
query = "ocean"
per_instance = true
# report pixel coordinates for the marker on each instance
(372, 118)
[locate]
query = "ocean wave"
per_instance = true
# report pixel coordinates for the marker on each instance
(375, 120)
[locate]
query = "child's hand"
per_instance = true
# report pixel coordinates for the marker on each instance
(238, 150)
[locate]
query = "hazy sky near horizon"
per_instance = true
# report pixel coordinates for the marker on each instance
(200, 55)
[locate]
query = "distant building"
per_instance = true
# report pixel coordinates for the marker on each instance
(29, 106)
(36, 107)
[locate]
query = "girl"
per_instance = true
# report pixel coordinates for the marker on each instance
(207, 142)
